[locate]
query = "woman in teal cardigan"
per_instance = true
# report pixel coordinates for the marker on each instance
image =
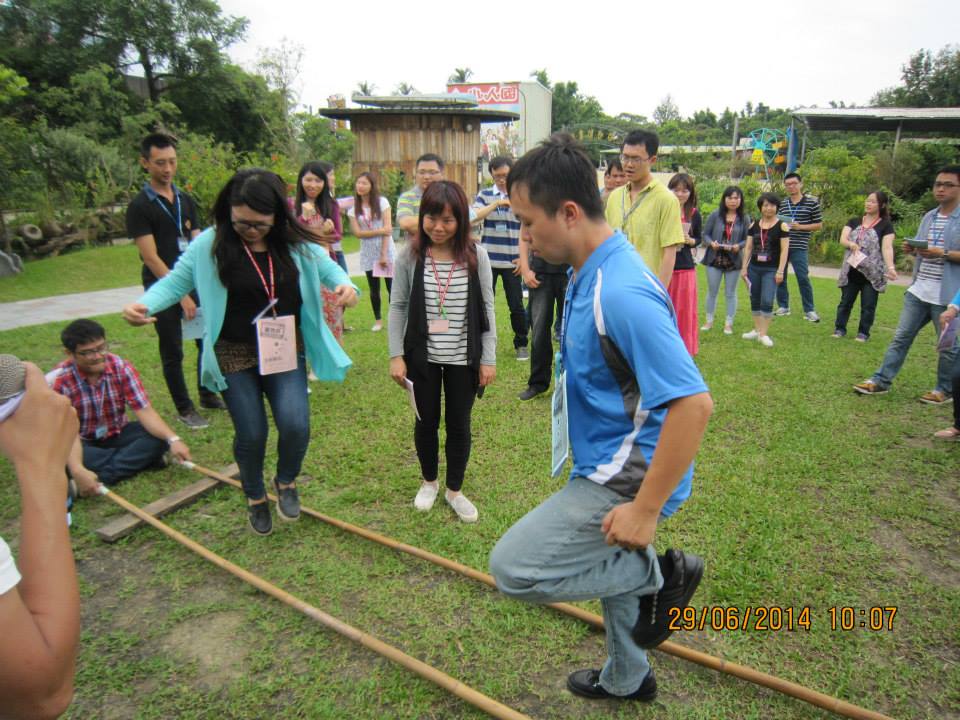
(258, 275)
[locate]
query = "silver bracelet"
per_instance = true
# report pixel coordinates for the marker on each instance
(171, 441)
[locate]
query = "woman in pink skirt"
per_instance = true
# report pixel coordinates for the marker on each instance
(683, 284)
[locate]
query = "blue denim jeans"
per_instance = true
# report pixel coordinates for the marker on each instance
(731, 278)
(341, 260)
(287, 394)
(123, 455)
(798, 259)
(915, 314)
(763, 285)
(557, 552)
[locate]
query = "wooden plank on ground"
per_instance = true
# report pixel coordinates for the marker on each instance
(125, 524)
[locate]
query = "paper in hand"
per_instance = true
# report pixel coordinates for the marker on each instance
(413, 398)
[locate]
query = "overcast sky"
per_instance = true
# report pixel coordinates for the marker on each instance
(626, 54)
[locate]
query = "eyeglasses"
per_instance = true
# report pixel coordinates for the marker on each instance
(428, 173)
(948, 185)
(242, 226)
(497, 176)
(633, 159)
(90, 352)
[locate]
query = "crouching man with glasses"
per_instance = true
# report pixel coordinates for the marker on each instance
(100, 386)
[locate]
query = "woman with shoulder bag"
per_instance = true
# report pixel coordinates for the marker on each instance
(724, 235)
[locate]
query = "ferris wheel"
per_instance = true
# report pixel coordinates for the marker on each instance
(769, 149)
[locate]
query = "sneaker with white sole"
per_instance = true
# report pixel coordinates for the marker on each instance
(766, 340)
(752, 335)
(708, 325)
(465, 509)
(935, 397)
(812, 316)
(869, 387)
(782, 312)
(426, 496)
(728, 329)
(377, 326)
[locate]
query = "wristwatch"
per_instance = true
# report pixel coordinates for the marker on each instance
(172, 440)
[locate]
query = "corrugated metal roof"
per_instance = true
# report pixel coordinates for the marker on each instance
(890, 118)
(481, 114)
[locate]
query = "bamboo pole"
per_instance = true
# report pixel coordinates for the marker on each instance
(427, 672)
(794, 690)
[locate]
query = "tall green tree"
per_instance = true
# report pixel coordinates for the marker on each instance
(928, 81)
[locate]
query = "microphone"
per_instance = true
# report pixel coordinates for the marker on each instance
(13, 376)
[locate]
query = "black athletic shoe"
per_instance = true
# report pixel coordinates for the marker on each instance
(530, 393)
(288, 502)
(681, 575)
(586, 683)
(212, 402)
(261, 522)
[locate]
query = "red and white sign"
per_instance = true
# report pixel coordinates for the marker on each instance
(503, 95)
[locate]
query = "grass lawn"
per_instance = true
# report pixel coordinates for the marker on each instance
(806, 495)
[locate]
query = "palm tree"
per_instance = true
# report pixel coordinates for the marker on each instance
(405, 89)
(460, 75)
(366, 88)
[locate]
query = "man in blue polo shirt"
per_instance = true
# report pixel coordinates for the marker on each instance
(501, 234)
(637, 408)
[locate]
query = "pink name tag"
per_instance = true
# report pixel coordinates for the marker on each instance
(438, 325)
(277, 344)
(763, 258)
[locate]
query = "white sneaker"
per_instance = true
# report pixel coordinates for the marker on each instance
(812, 316)
(377, 326)
(728, 329)
(752, 335)
(465, 509)
(782, 312)
(426, 496)
(766, 340)
(708, 325)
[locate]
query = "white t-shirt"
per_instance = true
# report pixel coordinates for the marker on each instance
(9, 575)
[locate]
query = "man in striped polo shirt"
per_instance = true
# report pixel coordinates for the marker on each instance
(804, 216)
(428, 169)
(936, 279)
(501, 235)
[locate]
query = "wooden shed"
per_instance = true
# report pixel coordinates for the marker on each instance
(392, 132)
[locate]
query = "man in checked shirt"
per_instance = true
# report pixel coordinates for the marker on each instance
(100, 386)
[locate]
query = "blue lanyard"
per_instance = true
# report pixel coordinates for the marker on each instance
(793, 208)
(937, 238)
(567, 302)
(178, 218)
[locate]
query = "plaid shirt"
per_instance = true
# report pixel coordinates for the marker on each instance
(105, 404)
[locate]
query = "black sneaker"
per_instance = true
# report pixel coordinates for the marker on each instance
(530, 393)
(193, 420)
(261, 521)
(212, 401)
(288, 502)
(681, 575)
(586, 683)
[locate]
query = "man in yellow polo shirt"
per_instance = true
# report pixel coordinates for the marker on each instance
(646, 211)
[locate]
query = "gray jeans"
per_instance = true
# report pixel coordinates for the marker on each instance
(557, 552)
(731, 278)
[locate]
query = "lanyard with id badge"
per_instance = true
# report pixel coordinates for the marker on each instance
(763, 254)
(276, 335)
(440, 324)
(100, 432)
(182, 240)
(560, 433)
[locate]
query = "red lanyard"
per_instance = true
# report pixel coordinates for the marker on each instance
(728, 229)
(271, 288)
(763, 240)
(443, 289)
(863, 228)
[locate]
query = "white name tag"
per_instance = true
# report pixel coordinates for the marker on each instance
(277, 344)
(438, 325)
(561, 437)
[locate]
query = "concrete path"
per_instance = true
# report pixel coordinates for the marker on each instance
(104, 302)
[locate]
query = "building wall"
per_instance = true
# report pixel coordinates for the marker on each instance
(396, 141)
(536, 116)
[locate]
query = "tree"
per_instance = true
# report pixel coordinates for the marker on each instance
(365, 88)
(280, 68)
(405, 89)
(667, 110)
(928, 81)
(460, 75)
(541, 77)
(705, 118)
(570, 107)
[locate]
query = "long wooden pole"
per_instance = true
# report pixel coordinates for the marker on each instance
(800, 692)
(448, 683)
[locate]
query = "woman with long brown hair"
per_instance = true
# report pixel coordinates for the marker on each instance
(683, 282)
(442, 334)
(370, 221)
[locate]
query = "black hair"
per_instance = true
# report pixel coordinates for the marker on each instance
(498, 162)
(687, 181)
(792, 175)
(373, 197)
(883, 203)
(768, 197)
(648, 138)
(263, 192)
(429, 157)
(556, 171)
(80, 332)
(950, 170)
(613, 164)
(324, 202)
(435, 198)
(728, 192)
(156, 140)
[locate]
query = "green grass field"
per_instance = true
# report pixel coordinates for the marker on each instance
(806, 495)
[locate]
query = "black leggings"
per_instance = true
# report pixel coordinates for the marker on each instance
(459, 389)
(374, 284)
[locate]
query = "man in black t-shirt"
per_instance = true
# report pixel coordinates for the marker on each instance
(162, 220)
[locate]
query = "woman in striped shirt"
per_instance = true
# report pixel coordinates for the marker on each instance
(442, 334)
